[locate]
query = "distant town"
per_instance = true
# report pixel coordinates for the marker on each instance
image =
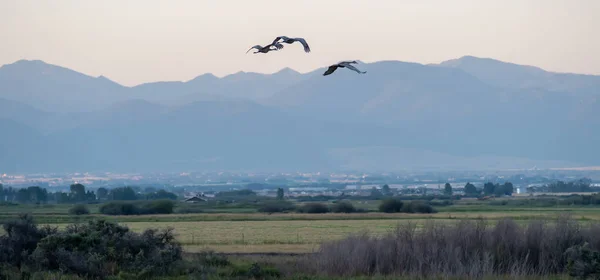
(300, 184)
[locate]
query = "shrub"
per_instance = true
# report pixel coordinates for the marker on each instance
(417, 207)
(276, 206)
(21, 239)
(79, 209)
(138, 208)
(343, 207)
(583, 262)
(390, 205)
(119, 208)
(158, 207)
(88, 249)
(314, 208)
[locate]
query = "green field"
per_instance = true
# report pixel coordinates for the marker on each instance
(233, 231)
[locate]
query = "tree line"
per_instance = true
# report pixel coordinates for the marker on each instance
(78, 194)
(489, 188)
(581, 185)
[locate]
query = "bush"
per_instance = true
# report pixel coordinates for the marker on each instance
(158, 207)
(79, 209)
(583, 262)
(276, 206)
(21, 239)
(343, 207)
(390, 205)
(314, 208)
(100, 248)
(119, 208)
(417, 207)
(138, 208)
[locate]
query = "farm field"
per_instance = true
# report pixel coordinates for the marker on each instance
(293, 232)
(301, 233)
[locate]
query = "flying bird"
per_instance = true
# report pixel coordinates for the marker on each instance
(267, 48)
(289, 40)
(343, 64)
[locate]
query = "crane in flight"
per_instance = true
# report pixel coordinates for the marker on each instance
(343, 64)
(288, 40)
(270, 47)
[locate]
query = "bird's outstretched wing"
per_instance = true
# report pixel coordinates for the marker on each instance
(303, 42)
(279, 38)
(354, 69)
(330, 70)
(258, 47)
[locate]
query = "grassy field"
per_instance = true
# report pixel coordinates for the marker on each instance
(292, 232)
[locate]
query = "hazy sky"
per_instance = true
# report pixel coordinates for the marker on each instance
(136, 41)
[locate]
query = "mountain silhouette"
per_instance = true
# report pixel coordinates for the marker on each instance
(464, 113)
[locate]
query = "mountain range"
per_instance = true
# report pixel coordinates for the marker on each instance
(466, 113)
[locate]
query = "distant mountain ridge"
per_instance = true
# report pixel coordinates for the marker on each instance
(510, 75)
(468, 112)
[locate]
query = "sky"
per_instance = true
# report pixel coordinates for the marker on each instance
(138, 41)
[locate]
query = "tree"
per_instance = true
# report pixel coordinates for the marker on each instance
(280, 193)
(448, 189)
(8, 194)
(124, 193)
(470, 189)
(90, 196)
(149, 190)
(582, 185)
(507, 188)
(386, 190)
(161, 194)
(61, 197)
(375, 193)
(37, 195)
(488, 188)
(102, 194)
(23, 196)
(78, 193)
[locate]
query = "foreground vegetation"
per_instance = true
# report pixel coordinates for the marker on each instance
(99, 249)
(255, 232)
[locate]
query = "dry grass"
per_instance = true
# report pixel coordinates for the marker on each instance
(268, 232)
(466, 249)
